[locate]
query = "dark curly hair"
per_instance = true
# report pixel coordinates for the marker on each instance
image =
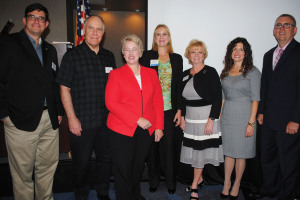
(247, 64)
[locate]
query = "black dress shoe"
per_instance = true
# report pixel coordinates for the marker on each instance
(223, 196)
(171, 191)
(103, 197)
(253, 195)
(260, 195)
(152, 189)
(142, 198)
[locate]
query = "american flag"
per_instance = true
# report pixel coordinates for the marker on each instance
(83, 12)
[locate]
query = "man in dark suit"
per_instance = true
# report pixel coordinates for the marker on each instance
(30, 106)
(279, 112)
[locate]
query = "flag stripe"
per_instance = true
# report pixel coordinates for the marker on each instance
(83, 12)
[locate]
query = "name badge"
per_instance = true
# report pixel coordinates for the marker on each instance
(153, 63)
(53, 66)
(185, 78)
(108, 69)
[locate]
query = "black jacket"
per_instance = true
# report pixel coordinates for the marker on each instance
(208, 86)
(25, 82)
(280, 89)
(177, 67)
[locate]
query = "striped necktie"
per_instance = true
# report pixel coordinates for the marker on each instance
(277, 58)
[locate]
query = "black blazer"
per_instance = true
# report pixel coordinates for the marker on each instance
(177, 67)
(208, 86)
(280, 89)
(25, 82)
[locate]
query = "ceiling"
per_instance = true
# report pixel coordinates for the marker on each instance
(117, 5)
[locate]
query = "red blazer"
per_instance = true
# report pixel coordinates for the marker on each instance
(126, 102)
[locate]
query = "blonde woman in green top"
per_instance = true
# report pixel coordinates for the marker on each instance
(169, 68)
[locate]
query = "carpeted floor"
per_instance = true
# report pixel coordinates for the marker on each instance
(62, 183)
(208, 192)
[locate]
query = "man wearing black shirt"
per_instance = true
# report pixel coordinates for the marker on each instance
(82, 78)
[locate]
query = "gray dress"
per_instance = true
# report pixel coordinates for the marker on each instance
(238, 93)
(199, 149)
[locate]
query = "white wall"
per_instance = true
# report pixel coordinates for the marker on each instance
(217, 22)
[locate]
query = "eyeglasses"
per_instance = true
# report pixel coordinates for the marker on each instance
(285, 26)
(33, 18)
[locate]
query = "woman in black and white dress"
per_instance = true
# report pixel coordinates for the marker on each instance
(201, 105)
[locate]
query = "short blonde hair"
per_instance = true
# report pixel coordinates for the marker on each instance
(154, 45)
(195, 43)
(132, 38)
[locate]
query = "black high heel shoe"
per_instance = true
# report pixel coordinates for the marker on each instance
(233, 197)
(200, 185)
(194, 191)
(223, 196)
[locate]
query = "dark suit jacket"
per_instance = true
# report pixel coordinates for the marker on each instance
(177, 66)
(280, 89)
(25, 82)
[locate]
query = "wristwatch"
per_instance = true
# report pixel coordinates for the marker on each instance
(251, 124)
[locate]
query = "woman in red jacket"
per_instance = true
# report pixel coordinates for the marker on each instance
(133, 97)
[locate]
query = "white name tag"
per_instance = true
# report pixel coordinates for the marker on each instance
(153, 63)
(108, 69)
(185, 78)
(53, 66)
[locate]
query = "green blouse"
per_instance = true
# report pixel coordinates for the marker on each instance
(165, 78)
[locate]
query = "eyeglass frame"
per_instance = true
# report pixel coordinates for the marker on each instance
(285, 26)
(33, 18)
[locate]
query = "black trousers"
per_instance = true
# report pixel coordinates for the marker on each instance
(162, 155)
(280, 156)
(128, 156)
(82, 148)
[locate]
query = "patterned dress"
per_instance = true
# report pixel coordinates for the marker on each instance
(199, 149)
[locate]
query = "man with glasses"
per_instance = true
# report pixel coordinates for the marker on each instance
(279, 112)
(30, 106)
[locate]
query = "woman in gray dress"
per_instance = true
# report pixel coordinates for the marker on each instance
(201, 106)
(241, 87)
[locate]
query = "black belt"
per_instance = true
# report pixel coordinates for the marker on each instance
(197, 103)
(45, 107)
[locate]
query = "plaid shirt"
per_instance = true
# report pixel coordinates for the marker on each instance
(84, 72)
